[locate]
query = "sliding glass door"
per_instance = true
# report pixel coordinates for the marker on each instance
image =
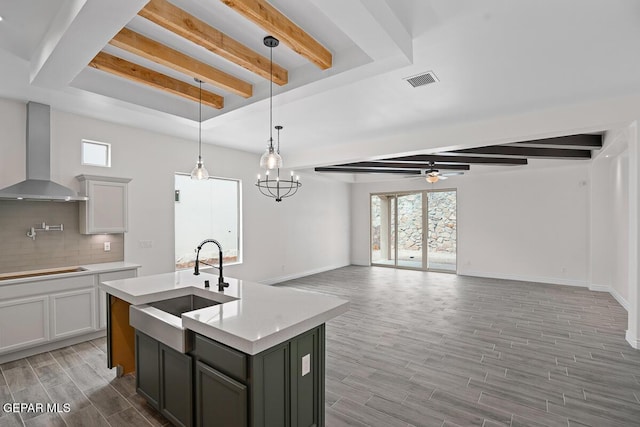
(442, 230)
(410, 234)
(403, 225)
(383, 229)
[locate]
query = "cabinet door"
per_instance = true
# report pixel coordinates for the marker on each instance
(106, 209)
(24, 322)
(220, 400)
(148, 369)
(176, 384)
(73, 313)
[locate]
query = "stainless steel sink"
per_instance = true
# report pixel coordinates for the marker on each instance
(162, 319)
(183, 304)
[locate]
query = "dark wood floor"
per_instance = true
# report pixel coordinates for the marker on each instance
(416, 349)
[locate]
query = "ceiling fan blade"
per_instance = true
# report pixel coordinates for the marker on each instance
(441, 177)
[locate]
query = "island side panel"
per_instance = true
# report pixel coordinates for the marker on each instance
(121, 336)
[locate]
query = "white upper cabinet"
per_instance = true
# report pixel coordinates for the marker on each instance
(106, 209)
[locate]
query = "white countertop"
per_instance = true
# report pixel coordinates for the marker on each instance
(252, 317)
(104, 267)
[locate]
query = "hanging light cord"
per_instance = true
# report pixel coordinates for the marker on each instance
(200, 124)
(271, 97)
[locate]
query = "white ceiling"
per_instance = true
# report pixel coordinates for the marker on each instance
(494, 58)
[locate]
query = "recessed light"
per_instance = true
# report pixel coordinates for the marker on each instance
(1, 18)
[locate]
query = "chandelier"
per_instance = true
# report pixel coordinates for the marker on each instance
(278, 188)
(271, 159)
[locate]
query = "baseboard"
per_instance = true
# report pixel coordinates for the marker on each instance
(623, 302)
(599, 288)
(20, 354)
(361, 263)
(519, 278)
(633, 341)
(280, 279)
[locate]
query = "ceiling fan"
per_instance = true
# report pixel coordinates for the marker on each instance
(433, 175)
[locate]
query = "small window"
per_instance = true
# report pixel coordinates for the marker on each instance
(96, 153)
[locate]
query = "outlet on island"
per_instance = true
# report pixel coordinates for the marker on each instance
(107, 246)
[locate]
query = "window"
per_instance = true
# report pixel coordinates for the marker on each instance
(403, 225)
(96, 153)
(207, 210)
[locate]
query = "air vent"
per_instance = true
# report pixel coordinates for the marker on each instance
(422, 79)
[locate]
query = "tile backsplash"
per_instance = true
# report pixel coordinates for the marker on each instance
(50, 248)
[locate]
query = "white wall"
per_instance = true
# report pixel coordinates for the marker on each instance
(309, 232)
(610, 217)
(525, 224)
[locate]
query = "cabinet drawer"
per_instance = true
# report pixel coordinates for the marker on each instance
(221, 357)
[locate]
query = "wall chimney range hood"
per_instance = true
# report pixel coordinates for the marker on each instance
(38, 185)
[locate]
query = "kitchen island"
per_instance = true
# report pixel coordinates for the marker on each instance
(247, 355)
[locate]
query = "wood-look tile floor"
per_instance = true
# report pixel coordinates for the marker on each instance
(76, 375)
(434, 349)
(415, 349)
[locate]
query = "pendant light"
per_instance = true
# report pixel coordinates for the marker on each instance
(277, 188)
(271, 158)
(200, 172)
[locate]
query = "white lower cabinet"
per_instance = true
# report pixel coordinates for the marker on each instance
(48, 310)
(73, 312)
(24, 322)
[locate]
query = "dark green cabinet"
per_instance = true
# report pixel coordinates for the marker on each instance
(147, 369)
(307, 379)
(220, 400)
(216, 385)
(176, 386)
(164, 378)
(284, 384)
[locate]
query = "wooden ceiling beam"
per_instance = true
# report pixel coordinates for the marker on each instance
(363, 170)
(510, 150)
(458, 159)
(139, 74)
(400, 165)
(583, 141)
(187, 26)
(157, 52)
(282, 28)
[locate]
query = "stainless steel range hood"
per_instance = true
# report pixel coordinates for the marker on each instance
(38, 185)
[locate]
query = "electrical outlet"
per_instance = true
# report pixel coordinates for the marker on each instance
(107, 246)
(306, 364)
(145, 244)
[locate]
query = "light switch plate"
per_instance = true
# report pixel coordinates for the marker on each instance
(306, 364)
(107, 246)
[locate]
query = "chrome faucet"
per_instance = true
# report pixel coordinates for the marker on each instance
(221, 283)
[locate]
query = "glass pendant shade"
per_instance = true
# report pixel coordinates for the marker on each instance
(270, 159)
(199, 172)
(432, 178)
